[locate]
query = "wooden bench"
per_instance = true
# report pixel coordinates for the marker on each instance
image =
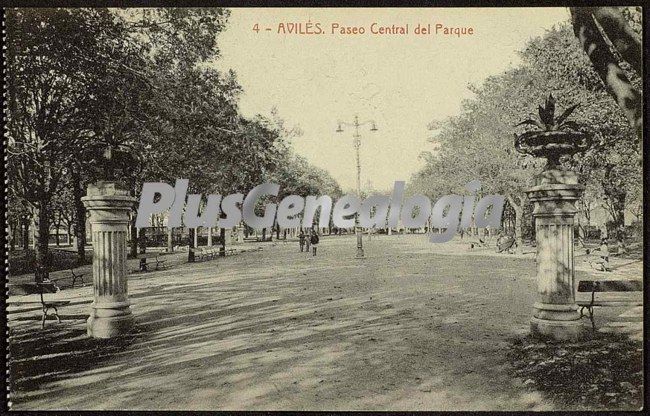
(229, 251)
(593, 293)
(204, 253)
(156, 262)
(40, 289)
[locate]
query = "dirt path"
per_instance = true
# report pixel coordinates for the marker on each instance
(405, 329)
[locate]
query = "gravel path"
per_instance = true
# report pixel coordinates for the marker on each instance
(408, 328)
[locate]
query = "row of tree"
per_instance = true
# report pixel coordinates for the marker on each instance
(478, 143)
(131, 94)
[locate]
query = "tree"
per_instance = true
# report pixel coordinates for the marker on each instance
(86, 79)
(54, 57)
(477, 144)
(599, 27)
(613, 161)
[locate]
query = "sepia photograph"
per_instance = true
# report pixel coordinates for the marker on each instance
(324, 209)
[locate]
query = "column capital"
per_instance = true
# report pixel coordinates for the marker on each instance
(109, 202)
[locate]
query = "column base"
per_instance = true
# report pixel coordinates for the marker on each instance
(557, 330)
(99, 325)
(557, 321)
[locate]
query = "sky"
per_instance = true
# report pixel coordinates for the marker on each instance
(402, 82)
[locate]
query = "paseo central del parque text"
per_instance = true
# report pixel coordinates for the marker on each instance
(337, 28)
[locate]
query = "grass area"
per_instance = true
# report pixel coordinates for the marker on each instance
(602, 372)
(24, 261)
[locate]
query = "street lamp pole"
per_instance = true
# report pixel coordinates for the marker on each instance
(357, 144)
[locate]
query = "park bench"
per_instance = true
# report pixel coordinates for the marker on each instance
(156, 262)
(506, 243)
(480, 242)
(210, 253)
(204, 253)
(39, 289)
(76, 276)
(593, 293)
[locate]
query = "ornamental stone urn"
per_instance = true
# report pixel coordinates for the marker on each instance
(553, 195)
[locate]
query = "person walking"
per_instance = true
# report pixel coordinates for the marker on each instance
(301, 238)
(314, 241)
(604, 254)
(308, 240)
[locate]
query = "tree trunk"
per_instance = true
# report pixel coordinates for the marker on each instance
(170, 240)
(142, 241)
(13, 231)
(25, 234)
(134, 240)
(42, 244)
(606, 65)
(190, 243)
(626, 41)
(79, 217)
(69, 231)
(580, 233)
(616, 228)
(56, 236)
(263, 234)
(222, 237)
(519, 223)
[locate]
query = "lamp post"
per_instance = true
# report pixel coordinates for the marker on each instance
(357, 144)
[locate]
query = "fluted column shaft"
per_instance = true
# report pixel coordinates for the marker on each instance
(555, 312)
(109, 208)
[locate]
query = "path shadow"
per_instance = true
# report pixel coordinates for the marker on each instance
(38, 357)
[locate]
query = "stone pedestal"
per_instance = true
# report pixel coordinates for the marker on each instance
(555, 312)
(109, 207)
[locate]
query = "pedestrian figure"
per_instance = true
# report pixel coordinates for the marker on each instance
(301, 237)
(604, 254)
(602, 263)
(314, 241)
(308, 240)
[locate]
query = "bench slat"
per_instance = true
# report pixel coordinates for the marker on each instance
(33, 288)
(610, 286)
(56, 302)
(610, 303)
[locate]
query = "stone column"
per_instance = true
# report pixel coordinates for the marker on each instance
(209, 236)
(555, 312)
(109, 207)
